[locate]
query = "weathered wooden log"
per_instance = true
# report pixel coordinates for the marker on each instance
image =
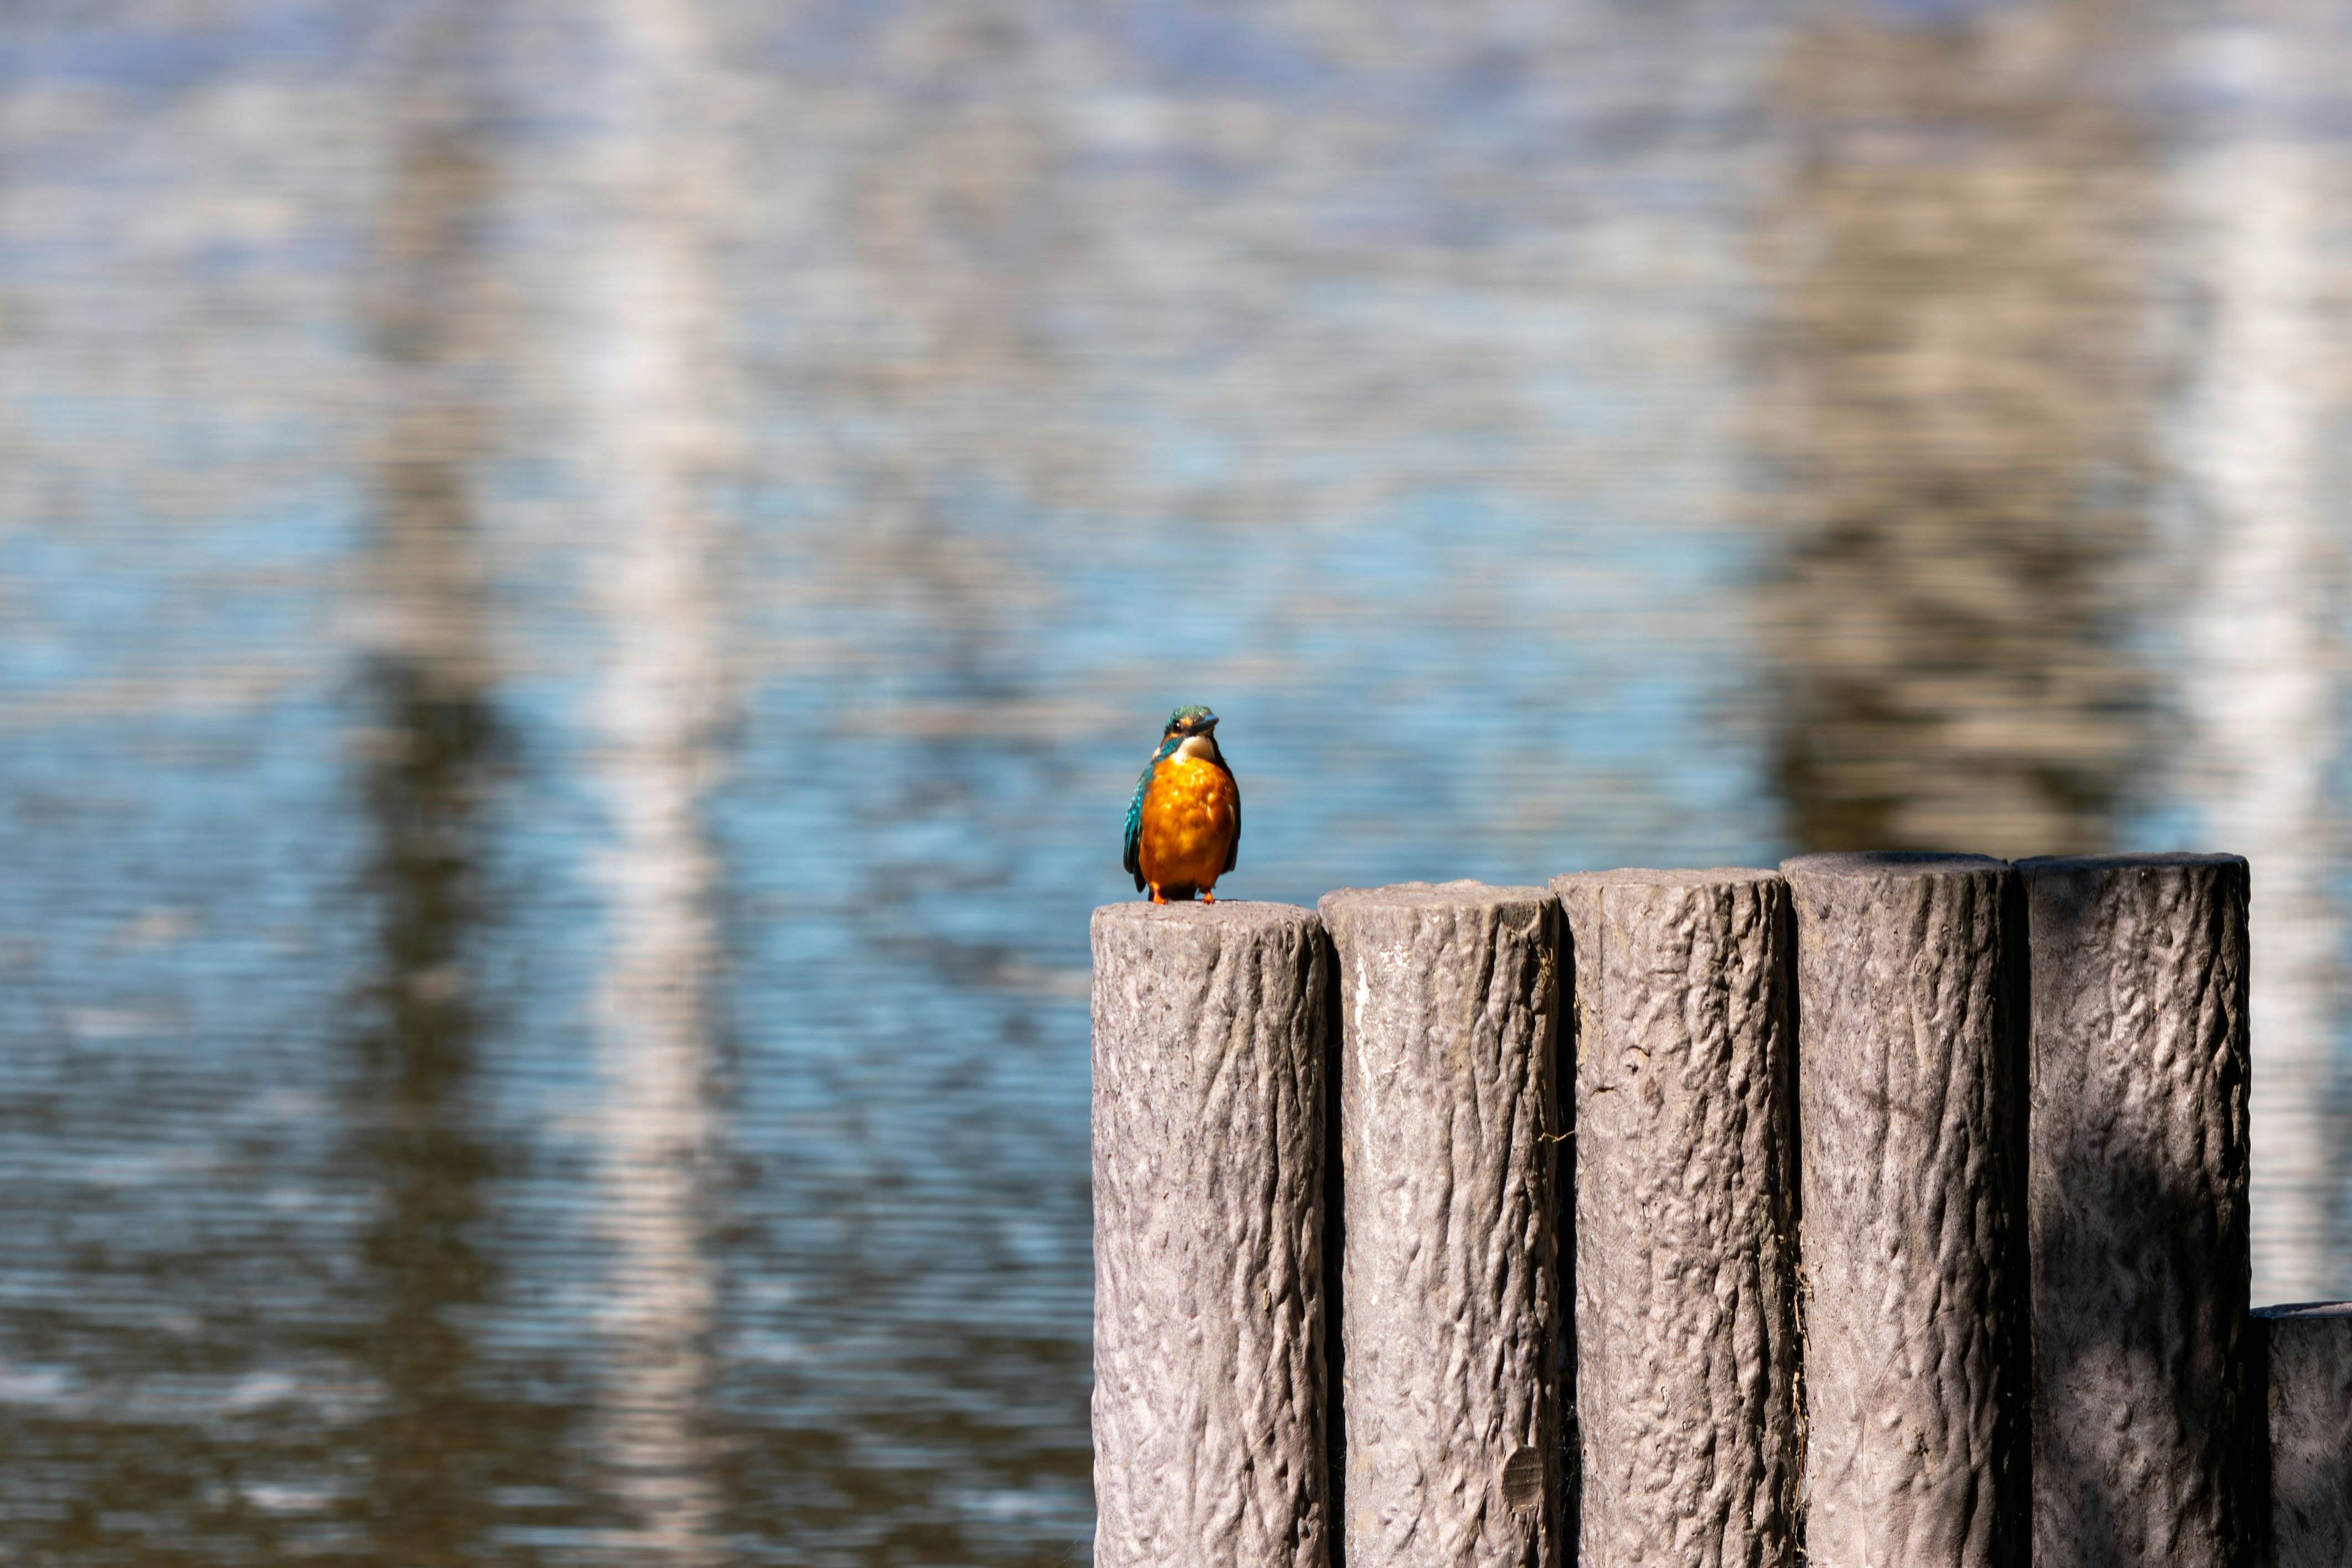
(1909, 1131)
(1210, 1040)
(1448, 1286)
(2137, 1209)
(1685, 1213)
(2308, 1349)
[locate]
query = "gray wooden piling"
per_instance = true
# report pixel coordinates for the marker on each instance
(1685, 1243)
(1209, 1404)
(2137, 1208)
(1448, 1129)
(1908, 1141)
(2308, 1349)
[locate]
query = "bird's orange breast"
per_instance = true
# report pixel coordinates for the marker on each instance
(1189, 816)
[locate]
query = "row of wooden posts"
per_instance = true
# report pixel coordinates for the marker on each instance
(1906, 1226)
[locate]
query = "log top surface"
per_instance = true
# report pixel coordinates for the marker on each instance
(2307, 1310)
(1464, 894)
(1878, 865)
(1225, 914)
(1649, 876)
(2063, 863)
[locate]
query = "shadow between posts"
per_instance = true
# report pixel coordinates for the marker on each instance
(1335, 1246)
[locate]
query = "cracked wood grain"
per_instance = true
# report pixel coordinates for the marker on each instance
(1448, 1269)
(1208, 1399)
(1685, 1246)
(2308, 1349)
(2136, 1204)
(1915, 1386)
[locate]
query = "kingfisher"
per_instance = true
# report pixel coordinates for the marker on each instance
(1184, 826)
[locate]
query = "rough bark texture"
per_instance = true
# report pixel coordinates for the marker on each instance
(1914, 1385)
(1685, 1242)
(2136, 1155)
(2310, 1355)
(1448, 1126)
(1209, 1047)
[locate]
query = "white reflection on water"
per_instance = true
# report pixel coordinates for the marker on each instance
(652, 406)
(2263, 629)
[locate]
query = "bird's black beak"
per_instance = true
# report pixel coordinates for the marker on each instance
(1205, 726)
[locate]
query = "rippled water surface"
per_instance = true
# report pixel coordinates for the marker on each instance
(581, 587)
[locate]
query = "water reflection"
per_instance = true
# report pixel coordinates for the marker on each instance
(432, 1445)
(650, 380)
(1958, 408)
(2263, 636)
(441, 1437)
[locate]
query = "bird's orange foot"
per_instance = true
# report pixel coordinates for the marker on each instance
(1157, 896)
(1208, 895)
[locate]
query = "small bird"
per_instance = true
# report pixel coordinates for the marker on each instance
(1184, 826)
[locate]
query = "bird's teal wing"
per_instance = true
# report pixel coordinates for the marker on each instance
(1134, 857)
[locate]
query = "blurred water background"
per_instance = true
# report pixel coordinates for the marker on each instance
(583, 584)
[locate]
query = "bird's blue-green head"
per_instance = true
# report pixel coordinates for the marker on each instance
(1189, 721)
(1191, 733)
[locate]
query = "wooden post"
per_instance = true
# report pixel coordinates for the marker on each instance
(2309, 1352)
(1915, 1386)
(1685, 1210)
(1209, 1402)
(1448, 1127)
(2136, 1155)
